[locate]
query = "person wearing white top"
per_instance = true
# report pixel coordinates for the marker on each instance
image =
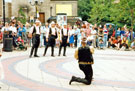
(13, 29)
(5, 28)
(64, 39)
(42, 36)
(45, 32)
(35, 31)
(51, 37)
(4, 31)
(27, 31)
(14, 34)
(1, 67)
(93, 34)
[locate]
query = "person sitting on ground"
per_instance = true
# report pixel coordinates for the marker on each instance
(101, 44)
(118, 44)
(20, 43)
(113, 42)
(133, 45)
(124, 45)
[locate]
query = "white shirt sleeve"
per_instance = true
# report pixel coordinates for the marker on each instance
(60, 34)
(47, 33)
(15, 30)
(2, 30)
(31, 30)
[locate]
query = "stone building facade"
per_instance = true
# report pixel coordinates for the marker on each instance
(8, 9)
(1, 8)
(47, 9)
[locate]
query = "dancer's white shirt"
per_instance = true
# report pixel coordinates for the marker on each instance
(37, 29)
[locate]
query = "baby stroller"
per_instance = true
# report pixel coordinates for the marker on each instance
(20, 44)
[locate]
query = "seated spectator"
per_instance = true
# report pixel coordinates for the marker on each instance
(124, 45)
(20, 40)
(101, 44)
(20, 43)
(133, 45)
(112, 42)
(109, 41)
(118, 45)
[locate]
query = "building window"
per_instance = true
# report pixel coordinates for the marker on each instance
(64, 8)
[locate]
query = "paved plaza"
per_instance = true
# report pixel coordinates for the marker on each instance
(113, 71)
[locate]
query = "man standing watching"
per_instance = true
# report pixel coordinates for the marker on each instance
(63, 40)
(35, 33)
(84, 56)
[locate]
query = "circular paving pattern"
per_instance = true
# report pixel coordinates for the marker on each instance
(57, 68)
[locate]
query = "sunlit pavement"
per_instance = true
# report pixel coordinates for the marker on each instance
(113, 71)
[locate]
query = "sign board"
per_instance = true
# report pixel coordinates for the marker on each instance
(61, 19)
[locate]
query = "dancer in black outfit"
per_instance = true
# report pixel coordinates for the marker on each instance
(63, 40)
(35, 31)
(51, 39)
(84, 56)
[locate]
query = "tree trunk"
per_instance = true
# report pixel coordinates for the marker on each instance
(132, 23)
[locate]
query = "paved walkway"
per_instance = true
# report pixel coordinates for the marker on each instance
(113, 71)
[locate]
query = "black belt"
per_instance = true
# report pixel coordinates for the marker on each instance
(52, 35)
(37, 34)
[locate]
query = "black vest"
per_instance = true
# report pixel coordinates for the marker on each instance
(84, 54)
(50, 33)
(34, 30)
(63, 33)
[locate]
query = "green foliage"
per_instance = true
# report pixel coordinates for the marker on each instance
(22, 16)
(123, 12)
(103, 11)
(84, 8)
(100, 11)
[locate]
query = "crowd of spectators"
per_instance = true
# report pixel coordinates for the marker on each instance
(101, 37)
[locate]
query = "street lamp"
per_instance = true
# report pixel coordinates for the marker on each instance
(51, 11)
(4, 12)
(36, 3)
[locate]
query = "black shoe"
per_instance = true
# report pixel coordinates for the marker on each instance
(43, 54)
(30, 56)
(72, 79)
(59, 55)
(36, 56)
(64, 55)
(52, 55)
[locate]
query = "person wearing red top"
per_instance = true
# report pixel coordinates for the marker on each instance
(20, 40)
(88, 30)
(113, 42)
(1, 36)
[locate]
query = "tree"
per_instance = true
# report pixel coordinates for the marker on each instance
(84, 9)
(124, 12)
(22, 16)
(23, 9)
(100, 11)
